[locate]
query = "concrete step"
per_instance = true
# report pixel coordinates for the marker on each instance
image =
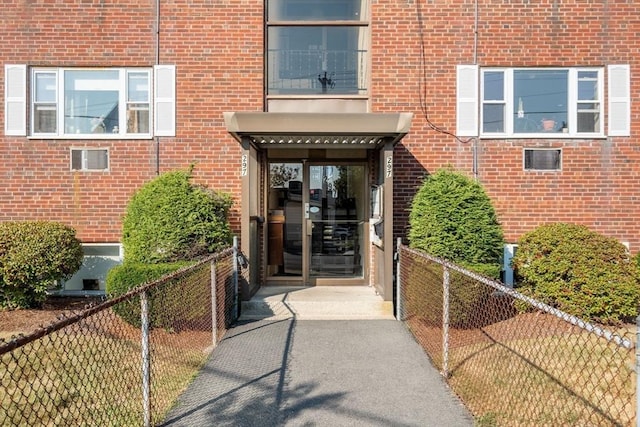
(317, 302)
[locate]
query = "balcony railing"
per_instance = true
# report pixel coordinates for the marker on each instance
(317, 71)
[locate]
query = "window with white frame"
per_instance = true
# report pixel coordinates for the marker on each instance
(90, 103)
(89, 159)
(542, 102)
(98, 259)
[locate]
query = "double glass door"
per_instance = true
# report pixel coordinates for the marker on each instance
(316, 221)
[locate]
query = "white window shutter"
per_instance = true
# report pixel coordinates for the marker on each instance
(619, 100)
(467, 100)
(15, 100)
(165, 100)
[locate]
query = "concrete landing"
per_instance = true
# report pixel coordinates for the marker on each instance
(316, 303)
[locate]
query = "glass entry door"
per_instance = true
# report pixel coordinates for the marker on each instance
(336, 217)
(316, 221)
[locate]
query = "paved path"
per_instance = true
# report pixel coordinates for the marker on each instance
(318, 373)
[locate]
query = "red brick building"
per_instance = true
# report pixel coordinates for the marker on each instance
(320, 117)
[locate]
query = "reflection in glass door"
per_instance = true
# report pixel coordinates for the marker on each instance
(316, 230)
(284, 221)
(336, 214)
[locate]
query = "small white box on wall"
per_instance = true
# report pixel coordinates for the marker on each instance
(509, 252)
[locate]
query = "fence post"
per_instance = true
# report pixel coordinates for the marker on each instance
(398, 281)
(144, 320)
(445, 321)
(638, 371)
(214, 305)
(236, 307)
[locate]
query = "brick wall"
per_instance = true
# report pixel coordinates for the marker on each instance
(217, 48)
(599, 179)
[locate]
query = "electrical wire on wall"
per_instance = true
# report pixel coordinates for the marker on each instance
(422, 81)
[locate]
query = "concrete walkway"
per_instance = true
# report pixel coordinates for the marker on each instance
(283, 371)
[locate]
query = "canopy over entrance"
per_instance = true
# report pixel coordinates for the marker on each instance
(315, 140)
(318, 130)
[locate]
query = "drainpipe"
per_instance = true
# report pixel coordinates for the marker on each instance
(157, 62)
(475, 165)
(475, 34)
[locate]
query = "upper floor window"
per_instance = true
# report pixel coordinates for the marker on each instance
(317, 47)
(90, 103)
(542, 102)
(523, 102)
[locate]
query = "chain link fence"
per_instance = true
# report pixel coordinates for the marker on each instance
(512, 360)
(124, 361)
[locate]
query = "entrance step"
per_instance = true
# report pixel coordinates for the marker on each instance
(316, 303)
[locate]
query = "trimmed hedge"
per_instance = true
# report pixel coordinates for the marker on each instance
(578, 271)
(123, 278)
(452, 217)
(170, 219)
(33, 256)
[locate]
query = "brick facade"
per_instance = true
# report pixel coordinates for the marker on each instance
(599, 179)
(218, 50)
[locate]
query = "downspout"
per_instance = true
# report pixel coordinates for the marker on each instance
(475, 35)
(157, 62)
(474, 148)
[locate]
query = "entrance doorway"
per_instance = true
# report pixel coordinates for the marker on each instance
(316, 222)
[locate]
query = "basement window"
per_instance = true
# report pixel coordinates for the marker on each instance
(99, 258)
(541, 159)
(89, 159)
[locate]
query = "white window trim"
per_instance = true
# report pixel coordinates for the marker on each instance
(164, 100)
(467, 100)
(122, 110)
(32, 102)
(619, 84)
(85, 161)
(15, 101)
(118, 258)
(120, 247)
(571, 107)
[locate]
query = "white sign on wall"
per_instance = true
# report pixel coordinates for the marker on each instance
(244, 167)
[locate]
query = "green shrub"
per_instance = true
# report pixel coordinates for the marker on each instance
(452, 217)
(33, 256)
(123, 278)
(578, 271)
(171, 219)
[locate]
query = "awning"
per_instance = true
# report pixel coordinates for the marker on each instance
(318, 130)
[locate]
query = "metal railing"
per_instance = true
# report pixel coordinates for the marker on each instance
(317, 70)
(124, 361)
(512, 360)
